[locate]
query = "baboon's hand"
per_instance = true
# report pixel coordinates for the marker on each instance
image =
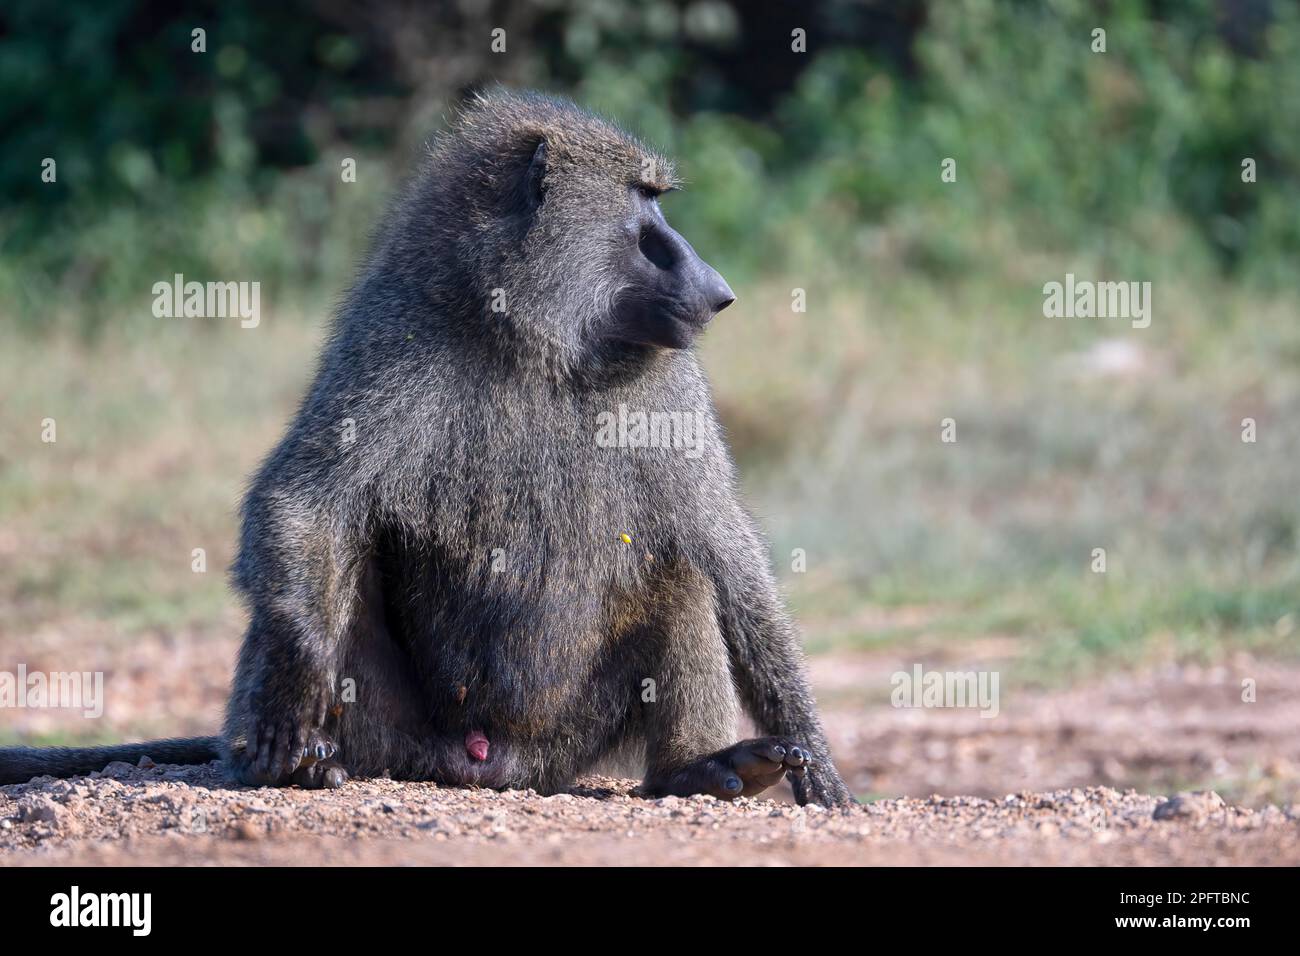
(282, 734)
(822, 785)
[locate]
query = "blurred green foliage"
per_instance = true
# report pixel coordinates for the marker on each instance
(226, 162)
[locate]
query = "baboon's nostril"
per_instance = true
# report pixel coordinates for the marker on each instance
(717, 293)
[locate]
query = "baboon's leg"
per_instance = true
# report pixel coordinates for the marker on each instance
(767, 658)
(690, 724)
(384, 726)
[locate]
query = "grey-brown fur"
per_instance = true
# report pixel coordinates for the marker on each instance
(373, 563)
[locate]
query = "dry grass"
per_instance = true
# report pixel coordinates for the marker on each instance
(835, 414)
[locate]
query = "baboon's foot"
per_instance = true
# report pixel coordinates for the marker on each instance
(320, 746)
(319, 770)
(325, 774)
(741, 770)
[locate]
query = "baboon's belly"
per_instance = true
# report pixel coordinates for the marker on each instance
(514, 658)
(534, 646)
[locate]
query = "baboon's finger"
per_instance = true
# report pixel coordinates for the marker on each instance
(800, 787)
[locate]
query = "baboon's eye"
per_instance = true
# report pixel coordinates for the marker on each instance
(647, 192)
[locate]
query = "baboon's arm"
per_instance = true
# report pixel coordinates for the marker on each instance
(766, 654)
(302, 571)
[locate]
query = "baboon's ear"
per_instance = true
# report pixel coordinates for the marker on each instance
(533, 179)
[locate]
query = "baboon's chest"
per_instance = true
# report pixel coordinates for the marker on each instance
(538, 546)
(556, 511)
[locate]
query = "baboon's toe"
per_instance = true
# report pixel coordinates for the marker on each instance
(321, 775)
(318, 769)
(762, 762)
(319, 746)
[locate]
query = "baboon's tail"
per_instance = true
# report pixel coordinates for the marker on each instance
(20, 764)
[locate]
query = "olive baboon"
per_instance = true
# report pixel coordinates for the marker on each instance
(449, 576)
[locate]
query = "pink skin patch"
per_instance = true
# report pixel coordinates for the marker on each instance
(476, 744)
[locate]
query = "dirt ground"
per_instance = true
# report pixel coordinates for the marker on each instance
(1077, 776)
(187, 816)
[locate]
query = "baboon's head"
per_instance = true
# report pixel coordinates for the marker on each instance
(565, 226)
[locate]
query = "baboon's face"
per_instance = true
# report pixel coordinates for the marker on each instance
(598, 255)
(668, 294)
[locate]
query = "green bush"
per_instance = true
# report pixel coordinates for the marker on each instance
(226, 163)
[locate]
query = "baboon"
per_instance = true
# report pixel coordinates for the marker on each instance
(448, 576)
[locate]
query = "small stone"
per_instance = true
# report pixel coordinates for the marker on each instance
(59, 789)
(35, 808)
(246, 830)
(174, 800)
(1195, 806)
(146, 762)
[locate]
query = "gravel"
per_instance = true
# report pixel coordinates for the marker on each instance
(176, 816)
